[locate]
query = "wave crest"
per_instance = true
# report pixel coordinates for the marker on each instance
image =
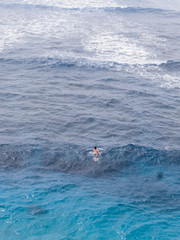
(75, 159)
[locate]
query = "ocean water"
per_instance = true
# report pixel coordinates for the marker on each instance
(75, 74)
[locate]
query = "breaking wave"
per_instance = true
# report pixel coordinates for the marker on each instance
(88, 7)
(51, 62)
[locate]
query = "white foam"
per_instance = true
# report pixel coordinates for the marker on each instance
(161, 4)
(106, 39)
(9, 36)
(115, 48)
(155, 73)
(123, 48)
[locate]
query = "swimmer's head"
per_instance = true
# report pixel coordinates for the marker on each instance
(95, 147)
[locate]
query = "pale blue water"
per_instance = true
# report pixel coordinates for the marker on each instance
(75, 74)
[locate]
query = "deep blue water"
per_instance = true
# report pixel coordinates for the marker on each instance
(74, 74)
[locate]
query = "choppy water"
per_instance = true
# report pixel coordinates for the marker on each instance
(74, 74)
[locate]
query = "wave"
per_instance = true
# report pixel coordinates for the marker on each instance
(165, 74)
(89, 8)
(55, 62)
(137, 10)
(28, 6)
(170, 65)
(71, 158)
(79, 62)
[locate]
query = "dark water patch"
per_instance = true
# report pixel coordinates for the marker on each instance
(17, 157)
(31, 209)
(160, 175)
(36, 210)
(11, 158)
(71, 158)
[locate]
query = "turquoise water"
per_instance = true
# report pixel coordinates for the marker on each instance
(71, 207)
(130, 199)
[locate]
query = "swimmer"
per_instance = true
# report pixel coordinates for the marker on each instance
(96, 154)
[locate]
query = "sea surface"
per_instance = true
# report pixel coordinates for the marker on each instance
(75, 74)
